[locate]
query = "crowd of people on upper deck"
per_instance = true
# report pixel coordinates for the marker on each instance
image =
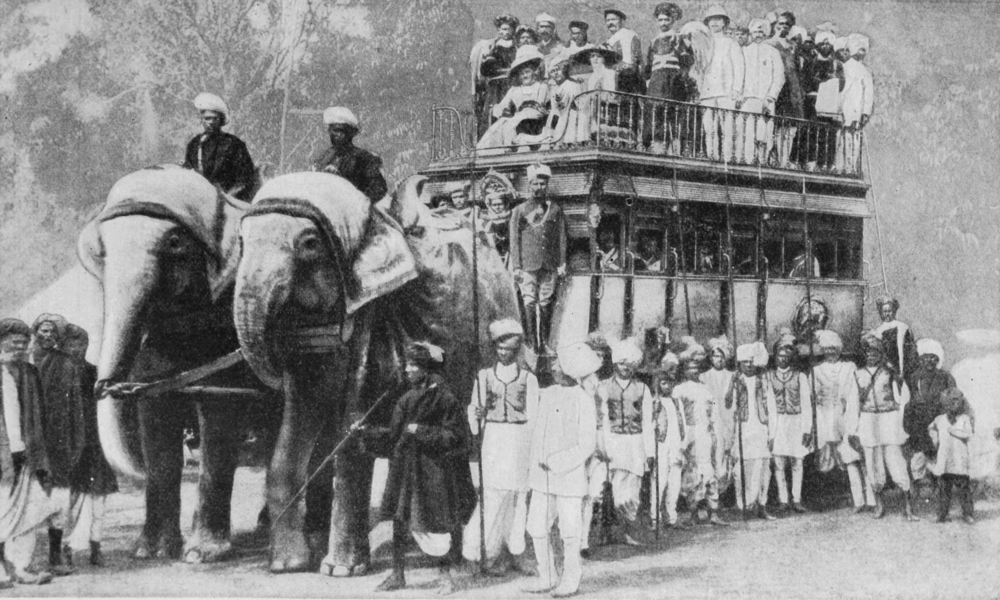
(722, 82)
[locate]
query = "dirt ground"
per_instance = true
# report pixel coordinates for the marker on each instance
(830, 554)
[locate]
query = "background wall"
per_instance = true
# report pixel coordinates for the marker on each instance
(95, 89)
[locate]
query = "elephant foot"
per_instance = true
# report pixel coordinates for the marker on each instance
(143, 548)
(330, 569)
(167, 546)
(205, 548)
(318, 542)
(290, 553)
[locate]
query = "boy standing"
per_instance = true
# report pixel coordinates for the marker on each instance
(793, 422)
(753, 402)
(951, 433)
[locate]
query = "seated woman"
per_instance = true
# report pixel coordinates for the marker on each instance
(522, 113)
(603, 77)
(565, 121)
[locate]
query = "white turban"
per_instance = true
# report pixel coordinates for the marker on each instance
(545, 18)
(692, 350)
(825, 36)
(800, 32)
(721, 343)
(669, 361)
(578, 361)
(758, 25)
(929, 346)
(340, 115)
(626, 351)
(856, 42)
(829, 339)
(539, 170)
(745, 352)
(840, 43)
(505, 328)
(206, 101)
(760, 355)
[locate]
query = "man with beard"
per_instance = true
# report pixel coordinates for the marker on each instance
(627, 46)
(823, 81)
(93, 479)
(503, 407)
(898, 346)
(667, 63)
(428, 492)
(929, 383)
(221, 157)
(360, 167)
(25, 506)
(64, 406)
(549, 44)
(882, 399)
(538, 253)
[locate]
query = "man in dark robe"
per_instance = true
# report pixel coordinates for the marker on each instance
(221, 157)
(897, 339)
(360, 167)
(929, 382)
(24, 463)
(92, 479)
(429, 491)
(63, 400)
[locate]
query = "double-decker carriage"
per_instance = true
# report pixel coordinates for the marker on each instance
(705, 220)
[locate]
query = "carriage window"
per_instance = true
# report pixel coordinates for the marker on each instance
(700, 239)
(609, 254)
(648, 250)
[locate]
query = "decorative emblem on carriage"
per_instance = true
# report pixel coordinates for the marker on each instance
(811, 315)
(494, 183)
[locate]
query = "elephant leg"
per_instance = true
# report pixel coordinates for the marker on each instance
(161, 427)
(219, 451)
(319, 494)
(308, 393)
(350, 553)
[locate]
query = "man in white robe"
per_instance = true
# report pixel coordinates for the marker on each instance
(503, 408)
(719, 379)
(627, 423)
(858, 100)
(793, 422)
(752, 400)
(564, 437)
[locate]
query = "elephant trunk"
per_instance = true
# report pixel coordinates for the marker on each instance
(263, 287)
(129, 282)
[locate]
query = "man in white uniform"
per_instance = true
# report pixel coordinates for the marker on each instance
(722, 86)
(564, 437)
(764, 77)
(627, 415)
(752, 400)
(793, 421)
(503, 408)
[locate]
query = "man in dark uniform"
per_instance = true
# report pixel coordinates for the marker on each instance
(221, 157)
(360, 167)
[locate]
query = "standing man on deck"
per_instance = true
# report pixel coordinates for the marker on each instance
(221, 157)
(360, 167)
(627, 46)
(538, 253)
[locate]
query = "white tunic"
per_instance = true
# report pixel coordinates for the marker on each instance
(859, 91)
(881, 405)
(719, 381)
(835, 391)
(794, 415)
(724, 76)
(564, 437)
(506, 441)
(670, 430)
(953, 444)
(764, 72)
(757, 422)
(11, 410)
(699, 409)
(628, 451)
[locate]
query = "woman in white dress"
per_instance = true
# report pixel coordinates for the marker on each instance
(521, 114)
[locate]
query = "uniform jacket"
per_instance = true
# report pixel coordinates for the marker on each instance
(565, 436)
(360, 167)
(725, 74)
(629, 49)
(225, 161)
(537, 245)
(764, 72)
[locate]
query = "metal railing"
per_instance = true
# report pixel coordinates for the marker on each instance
(655, 126)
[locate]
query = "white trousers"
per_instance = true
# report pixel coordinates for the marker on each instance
(882, 459)
(757, 131)
(545, 511)
(713, 121)
(19, 550)
(758, 478)
(505, 519)
(861, 488)
(627, 487)
(87, 519)
(669, 490)
(780, 463)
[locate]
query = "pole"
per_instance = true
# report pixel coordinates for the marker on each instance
(479, 388)
(809, 268)
(743, 474)
(656, 473)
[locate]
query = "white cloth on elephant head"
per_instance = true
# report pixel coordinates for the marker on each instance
(183, 196)
(381, 260)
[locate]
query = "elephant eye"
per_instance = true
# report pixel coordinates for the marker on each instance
(175, 243)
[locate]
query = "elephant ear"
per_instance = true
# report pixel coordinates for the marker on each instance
(383, 263)
(90, 248)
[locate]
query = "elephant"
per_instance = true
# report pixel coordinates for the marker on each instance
(329, 289)
(165, 247)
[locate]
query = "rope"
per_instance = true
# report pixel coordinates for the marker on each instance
(878, 223)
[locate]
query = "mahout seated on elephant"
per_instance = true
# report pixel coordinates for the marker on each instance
(330, 289)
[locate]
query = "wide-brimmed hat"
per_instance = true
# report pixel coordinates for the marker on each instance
(716, 11)
(583, 54)
(525, 55)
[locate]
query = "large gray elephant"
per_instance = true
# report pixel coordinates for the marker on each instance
(329, 290)
(165, 247)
